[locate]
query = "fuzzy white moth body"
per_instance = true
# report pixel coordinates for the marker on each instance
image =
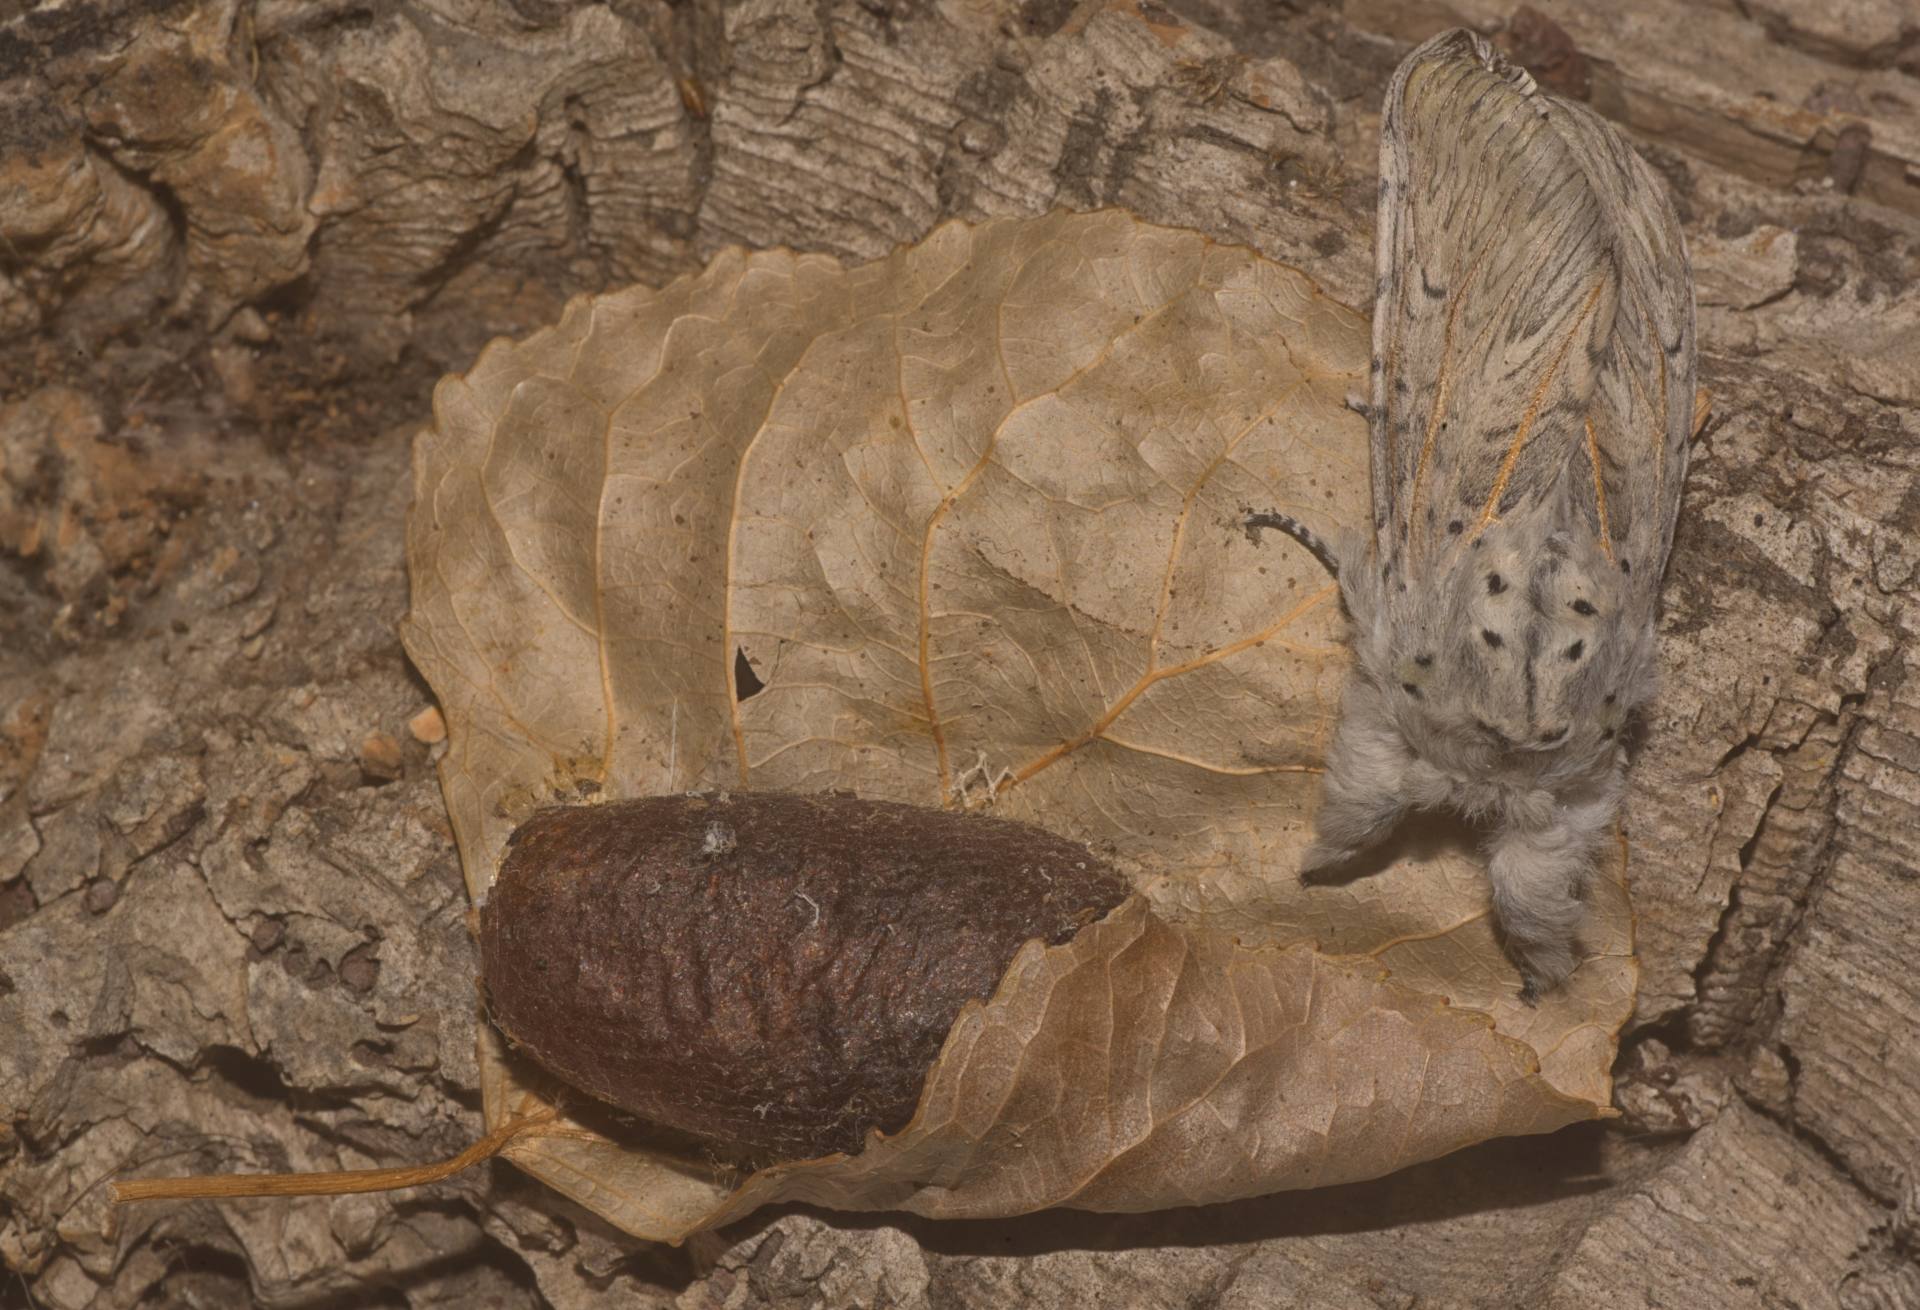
(1532, 401)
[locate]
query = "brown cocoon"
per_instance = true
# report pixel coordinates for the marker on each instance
(774, 973)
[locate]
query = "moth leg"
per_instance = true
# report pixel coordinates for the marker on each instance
(1539, 878)
(1366, 783)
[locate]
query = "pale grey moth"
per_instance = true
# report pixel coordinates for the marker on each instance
(1533, 399)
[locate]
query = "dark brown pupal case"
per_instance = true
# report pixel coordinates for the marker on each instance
(774, 973)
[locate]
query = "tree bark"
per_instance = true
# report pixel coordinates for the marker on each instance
(240, 239)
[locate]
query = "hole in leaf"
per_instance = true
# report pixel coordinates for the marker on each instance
(746, 683)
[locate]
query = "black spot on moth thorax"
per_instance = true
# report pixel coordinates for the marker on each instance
(1513, 635)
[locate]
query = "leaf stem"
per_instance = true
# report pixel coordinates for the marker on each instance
(333, 1183)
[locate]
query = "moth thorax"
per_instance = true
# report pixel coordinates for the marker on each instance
(1520, 642)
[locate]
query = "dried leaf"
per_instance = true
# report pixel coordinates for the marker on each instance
(964, 523)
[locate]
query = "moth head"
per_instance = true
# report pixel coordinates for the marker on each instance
(1439, 717)
(1516, 660)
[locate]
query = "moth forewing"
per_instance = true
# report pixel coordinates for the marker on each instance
(1645, 415)
(1493, 290)
(1532, 393)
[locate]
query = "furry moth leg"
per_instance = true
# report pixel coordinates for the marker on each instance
(1540, 876)
(1366, 789)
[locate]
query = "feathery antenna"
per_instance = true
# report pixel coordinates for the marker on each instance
(1294, 528)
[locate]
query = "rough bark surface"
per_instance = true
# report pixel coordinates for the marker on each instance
(239, 239)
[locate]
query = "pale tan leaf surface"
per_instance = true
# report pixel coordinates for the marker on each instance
(971, 514)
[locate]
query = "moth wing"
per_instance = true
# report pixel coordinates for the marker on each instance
(1506, 247)
(1643, 405)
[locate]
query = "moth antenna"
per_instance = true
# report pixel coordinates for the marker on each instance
(1294, 528)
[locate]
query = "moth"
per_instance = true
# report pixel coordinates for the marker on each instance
(1532, 403)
